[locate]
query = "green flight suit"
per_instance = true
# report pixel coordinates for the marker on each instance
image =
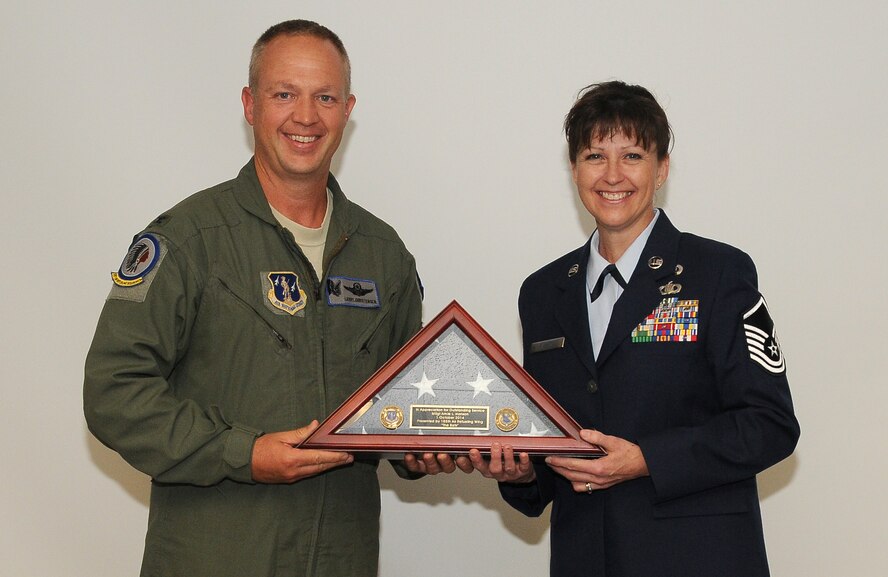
(199, 355)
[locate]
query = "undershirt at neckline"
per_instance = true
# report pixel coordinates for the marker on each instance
(310, 240)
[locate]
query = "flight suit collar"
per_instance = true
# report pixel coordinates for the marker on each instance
(249, 194)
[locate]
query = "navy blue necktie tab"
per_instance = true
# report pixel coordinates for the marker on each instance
(610, 269)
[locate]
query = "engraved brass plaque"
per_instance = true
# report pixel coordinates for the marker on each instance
(449, 418)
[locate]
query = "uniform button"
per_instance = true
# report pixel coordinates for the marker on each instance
(592, 386)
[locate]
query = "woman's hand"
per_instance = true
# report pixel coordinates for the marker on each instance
(503, 464)
(623, 462)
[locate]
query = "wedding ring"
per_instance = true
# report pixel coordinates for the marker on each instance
(589, 487)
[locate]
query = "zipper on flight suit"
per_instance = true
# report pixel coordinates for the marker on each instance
(340, 244)
(314, 277)
(280, 338)
(316, 285)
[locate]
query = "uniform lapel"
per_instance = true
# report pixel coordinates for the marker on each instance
(571, 312)
(642, 294)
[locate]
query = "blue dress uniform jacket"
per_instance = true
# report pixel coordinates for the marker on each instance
(707, 416)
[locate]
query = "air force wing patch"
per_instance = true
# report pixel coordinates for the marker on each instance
(285, 293)
(761, 338)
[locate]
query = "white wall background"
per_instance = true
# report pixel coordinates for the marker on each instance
(113, 111)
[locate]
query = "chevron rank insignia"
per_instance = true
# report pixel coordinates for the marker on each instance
(761, 338)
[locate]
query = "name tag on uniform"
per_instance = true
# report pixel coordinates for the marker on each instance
(352, 292)
(547, 345)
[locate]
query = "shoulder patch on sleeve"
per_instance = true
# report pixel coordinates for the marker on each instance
(761, 338)
(134, 277)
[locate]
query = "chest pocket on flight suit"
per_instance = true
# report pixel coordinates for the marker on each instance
(372, 345)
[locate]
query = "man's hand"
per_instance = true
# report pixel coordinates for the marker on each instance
(623, 462)
(277, 460)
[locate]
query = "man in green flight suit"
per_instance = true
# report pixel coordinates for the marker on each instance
(250, 309)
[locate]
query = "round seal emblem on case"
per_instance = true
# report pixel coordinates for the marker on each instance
(506, 419)
(391, 417)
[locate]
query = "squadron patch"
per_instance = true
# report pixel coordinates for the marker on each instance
(672, 321)
(140, 259)
(133, 278)
(761, 338)
(351, 292)
(285, 293)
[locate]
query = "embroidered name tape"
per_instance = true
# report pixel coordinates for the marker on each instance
(672, 321)
(352, 292)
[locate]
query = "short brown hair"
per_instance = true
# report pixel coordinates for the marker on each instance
(605, 109)
(297, 28)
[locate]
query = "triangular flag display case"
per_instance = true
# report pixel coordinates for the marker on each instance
(451, 388)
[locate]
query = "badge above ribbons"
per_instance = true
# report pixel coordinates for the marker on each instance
(450, 389)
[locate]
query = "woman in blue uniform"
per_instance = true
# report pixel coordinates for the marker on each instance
(670, 362)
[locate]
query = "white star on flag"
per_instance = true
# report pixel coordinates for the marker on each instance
(534, 432)
(425, 386)
(480, 385)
